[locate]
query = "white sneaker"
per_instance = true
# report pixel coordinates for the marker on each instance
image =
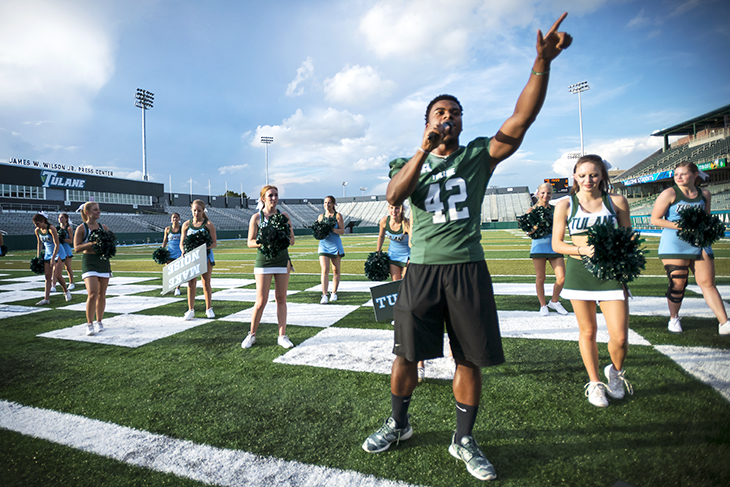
(177, 292)
(98, 326)
(324, 299)
(724, 329)
(421, 374)
(209, 313)
(53, 289)
(596, 394)
(544, 311)
(189, 315)
(392, 323)
(248, 341)
(675, 325)
(89, 329)
(284, 341)
(557, 307)
(67, 295)
(616, 382)
(333, 297)
(43, 302)
(71, 286)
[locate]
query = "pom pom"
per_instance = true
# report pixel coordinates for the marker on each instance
(377, 267)
(274, 236)
(161, 255)
(617, 254)
(62, 233)
(105, 243)
(699, 228)
(195, 240)
(538, 223)
(321, 229)
(3, 250)
(37, 266)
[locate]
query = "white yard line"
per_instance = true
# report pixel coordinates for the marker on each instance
(183, 458)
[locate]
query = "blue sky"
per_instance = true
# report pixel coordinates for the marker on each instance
(342, 85)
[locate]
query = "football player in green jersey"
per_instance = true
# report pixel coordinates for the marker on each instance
(448, 282)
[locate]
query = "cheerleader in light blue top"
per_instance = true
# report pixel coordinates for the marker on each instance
(48, 247)
(331, 251)
(171, 240)
(200, 223)
(396, 229)
(65, 223)
(678, 256)
(541, 252)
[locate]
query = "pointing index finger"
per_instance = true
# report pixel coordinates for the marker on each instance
(557, 23)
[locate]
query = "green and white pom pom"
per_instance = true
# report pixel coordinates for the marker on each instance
(105, 243)
(37, 266)
(195, 240)
(377, 266)
(62, 233)
(274, 236)
(617, 255)
(161, 255)
(321, 229)
(699, 228)
(538, 223)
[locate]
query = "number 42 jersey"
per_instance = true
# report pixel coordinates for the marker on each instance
(446, 205)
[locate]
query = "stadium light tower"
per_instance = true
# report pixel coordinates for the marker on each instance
(266, 141)
(344, 183)
(579, 88)
(362, 191)
(144, 100)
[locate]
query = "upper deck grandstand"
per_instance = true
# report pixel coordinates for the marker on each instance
(704, 140)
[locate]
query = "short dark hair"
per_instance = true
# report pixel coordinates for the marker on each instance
(438, 99)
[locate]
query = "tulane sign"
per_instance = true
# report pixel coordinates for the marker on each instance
(51, 179)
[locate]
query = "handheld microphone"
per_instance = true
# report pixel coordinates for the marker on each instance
(446, 125)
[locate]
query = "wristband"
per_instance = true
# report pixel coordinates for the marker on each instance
(540, 74)
(579, 252)
(424, 151)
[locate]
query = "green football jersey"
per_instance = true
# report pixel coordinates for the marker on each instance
(446, 205)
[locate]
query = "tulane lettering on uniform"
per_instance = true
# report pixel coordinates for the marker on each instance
(392, 298)
(587, 222)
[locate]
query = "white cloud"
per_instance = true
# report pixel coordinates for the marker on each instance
(357, 85)
(446, 30)
(304, 72)
(231, 169)
(319, 131)
(51, 54)
(621, 153)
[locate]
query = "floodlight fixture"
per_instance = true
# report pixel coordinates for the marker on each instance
(344, 183)
(266, 141)
(144, 99)
(580, 88)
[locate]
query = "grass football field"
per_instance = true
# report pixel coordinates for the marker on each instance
(199, 388)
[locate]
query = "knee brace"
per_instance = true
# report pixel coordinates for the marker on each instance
(675, 294)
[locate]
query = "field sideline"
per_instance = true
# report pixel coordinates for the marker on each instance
(191, 406)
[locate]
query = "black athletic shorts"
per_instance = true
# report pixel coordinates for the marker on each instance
(458, 295)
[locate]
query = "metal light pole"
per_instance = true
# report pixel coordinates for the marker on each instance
(144, 100)
(344, 183)
(579, 88)
(266, 141)
(362, 191)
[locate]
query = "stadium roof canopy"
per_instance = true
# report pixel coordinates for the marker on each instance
(715, 118)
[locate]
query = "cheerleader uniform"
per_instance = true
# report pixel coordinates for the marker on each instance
(580, 284)
(276, 265)
(331, 245)
(65, 246)
(193, 229)
(91, 264)
(398, 250)
(48, 245)
(542, 248)
(670, 246)
(173, 244)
